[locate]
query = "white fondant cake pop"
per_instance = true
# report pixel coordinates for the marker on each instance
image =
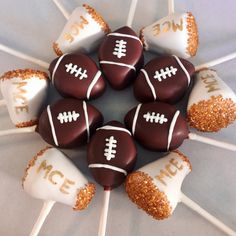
(175, 34)
(156, 188)
(52, 177)
(82, 33)
(212, 103)
(25, 93)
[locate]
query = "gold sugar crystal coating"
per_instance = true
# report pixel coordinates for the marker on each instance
(56, 49)
(98, 18)
(143, 192)
(213, 114)
(142, 38)
(24, 74)
(26, 123)
(84, 197)
(32, 163)
(192, 35)
(184, 158)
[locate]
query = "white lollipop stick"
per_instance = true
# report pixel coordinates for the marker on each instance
(212, 142)
(24, 130)
(103, 217)
(24, 56)
(131, 13)
(216, 61)
(2, 103)
(171, 6)
(195, 207)
(65, 13)
(47, 206)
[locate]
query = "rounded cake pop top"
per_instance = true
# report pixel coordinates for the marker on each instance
(69, 123)
(156, 187)
(25, 93)
(82, 33)
(165, 79)
(212, 103)
(157, 126)
(77, 75)
(111, 154)
(121, 57)
(174, 34)
(51, 176)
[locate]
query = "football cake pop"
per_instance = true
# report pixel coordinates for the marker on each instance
(77, 75)
(52, 177)
(67, 123)
(176, 33)
(25, 93)
(156, 189)
(111, 155)
(82, 33)
(121, 54)
(161, 127)
(167, 78)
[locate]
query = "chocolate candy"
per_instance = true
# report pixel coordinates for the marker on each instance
(77, 75)
(163, 79)
(157, 126)
(176, 34)
(111, 154)
(68, 123)
(121, 57)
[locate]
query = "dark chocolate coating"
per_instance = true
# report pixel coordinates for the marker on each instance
(69, 134)
(120, 77)
(153, 135)
(68, 85)
(170, 89)
(125, 156)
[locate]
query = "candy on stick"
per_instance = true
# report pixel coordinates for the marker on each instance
(111, 155)
(176, 34)
(83, 32)
(167, 78)
(52, 177)
(62, 9)
(156, 188)
(161, 127)
(25, 93)
(67, 123)
(121, 54)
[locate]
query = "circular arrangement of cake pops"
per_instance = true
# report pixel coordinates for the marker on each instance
(111, 152)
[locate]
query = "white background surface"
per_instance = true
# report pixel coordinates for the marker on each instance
(32, 26)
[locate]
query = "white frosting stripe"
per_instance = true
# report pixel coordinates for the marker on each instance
(108, 167)
(56, 67)
(86, 119)
(110, 127)
(118, 64)
(135, 118)
(183, 68)
(149, 84)
(52, 125)
(94, 81)
(125, 36)
(171, 130)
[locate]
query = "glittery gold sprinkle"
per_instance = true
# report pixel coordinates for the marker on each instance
(213, 114)
(24, 74)
(184, 158)
(192, 35)
(98, 18)
(84, 197)
(142, 191)
(27, 123)
(57, 50)
(32, 163)
(142, 38)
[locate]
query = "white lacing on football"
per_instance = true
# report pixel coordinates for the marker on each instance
(94, 81)
(65, 117)
(136, 118)
(155, 118)
(118, 64)
(120, 48)
(110, 127)
(166, 73)
(110, 149)
(76, 71)
(125, 36)
(52, 125)
(86, 119)
(149, 84)
(110, 167)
